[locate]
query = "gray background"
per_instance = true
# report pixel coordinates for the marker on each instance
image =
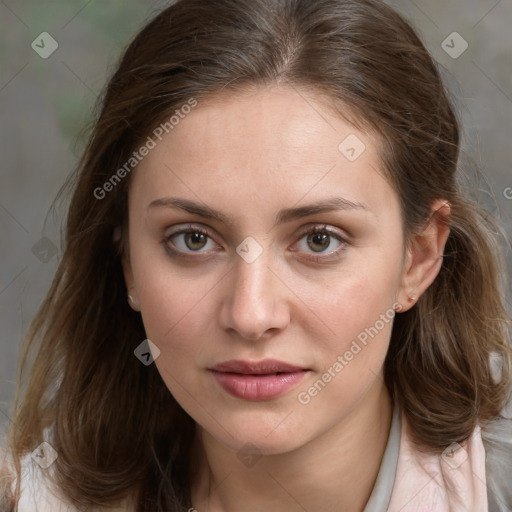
(45, 104)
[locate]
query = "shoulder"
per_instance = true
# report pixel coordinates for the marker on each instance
(36, 488)
(37, 493)
(497, 440)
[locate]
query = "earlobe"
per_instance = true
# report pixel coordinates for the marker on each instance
(133, 303)
(425, 256)
(116, 236)
(129, 282)
(130, 287)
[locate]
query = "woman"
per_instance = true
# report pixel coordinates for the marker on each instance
(313, 305)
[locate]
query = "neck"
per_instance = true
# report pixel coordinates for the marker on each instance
(336, 471)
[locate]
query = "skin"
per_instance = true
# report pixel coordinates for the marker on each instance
(250, 155)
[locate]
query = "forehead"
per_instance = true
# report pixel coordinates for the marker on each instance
(274, 118)
(276, 144)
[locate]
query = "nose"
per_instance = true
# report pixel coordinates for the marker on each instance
(256, 303)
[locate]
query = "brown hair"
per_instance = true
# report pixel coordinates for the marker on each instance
(116, 427)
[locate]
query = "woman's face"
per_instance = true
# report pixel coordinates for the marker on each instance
(256, 283)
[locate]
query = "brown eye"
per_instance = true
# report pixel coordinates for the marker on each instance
(195, 240)
(318, 241)
(188, 240)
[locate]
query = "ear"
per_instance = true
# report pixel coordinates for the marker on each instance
(424, 256)
(127, 270)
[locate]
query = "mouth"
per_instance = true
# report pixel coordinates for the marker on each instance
(257, 380)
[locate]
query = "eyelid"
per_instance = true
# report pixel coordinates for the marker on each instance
(188, 227)
(319, 227)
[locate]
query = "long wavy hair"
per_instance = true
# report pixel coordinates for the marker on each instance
(116, 428)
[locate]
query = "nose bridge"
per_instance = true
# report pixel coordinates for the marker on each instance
(253, 302)
(252, 280)
(251, 266)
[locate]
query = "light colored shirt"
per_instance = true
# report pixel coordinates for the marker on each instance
(473, 477)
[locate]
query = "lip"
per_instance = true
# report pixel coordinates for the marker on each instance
(265, 366)
(257, 380)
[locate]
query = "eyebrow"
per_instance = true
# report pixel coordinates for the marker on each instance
(283, 216)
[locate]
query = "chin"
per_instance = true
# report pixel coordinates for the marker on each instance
(256, 436)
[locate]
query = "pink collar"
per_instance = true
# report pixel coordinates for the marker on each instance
(454, 481)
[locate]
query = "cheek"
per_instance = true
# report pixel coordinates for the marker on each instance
(357, 297)
(173, 311)
(168, 300)
(177, 304)
(175, 320)
(359, 313)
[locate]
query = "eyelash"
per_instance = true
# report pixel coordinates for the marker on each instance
(319, 229)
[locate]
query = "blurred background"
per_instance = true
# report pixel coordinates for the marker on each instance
(56, 56)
